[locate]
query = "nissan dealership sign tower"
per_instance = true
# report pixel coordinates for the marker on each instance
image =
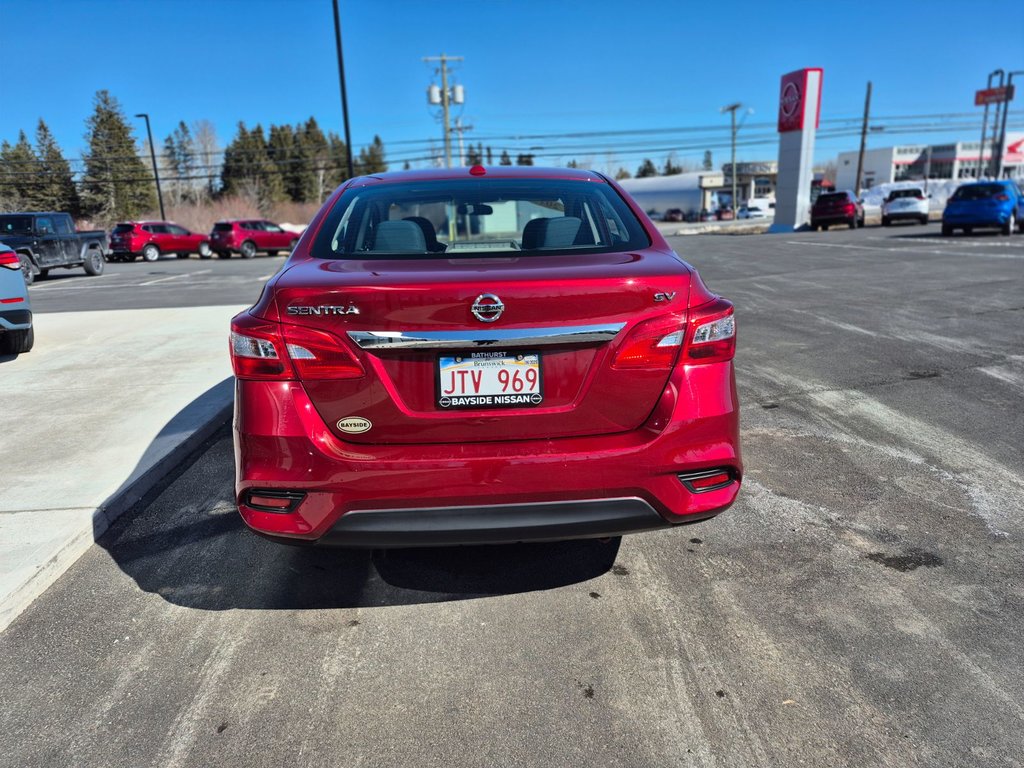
(799, 112)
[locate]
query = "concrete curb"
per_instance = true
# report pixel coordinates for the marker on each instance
(116, 505)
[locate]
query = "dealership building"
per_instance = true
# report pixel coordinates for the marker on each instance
(922, 161)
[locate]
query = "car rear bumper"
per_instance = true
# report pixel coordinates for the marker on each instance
(15, 319)
(900, 215)
(350, 494)
(994, 219)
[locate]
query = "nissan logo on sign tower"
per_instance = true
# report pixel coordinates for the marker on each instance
(799, 114)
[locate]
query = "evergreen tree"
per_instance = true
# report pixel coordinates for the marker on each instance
(406, 166)
(505, 159)
(646, 169)
(58, 191)
(490, 156)
(475, 155)
(180, 163)
(116, 184)
(708, 162)
(281, 153)
(572, 164)
(21, 174)
(337, 162)
(248, 171)
(671, 168)
(622, 173)
(269, 184)
(524, 159)
(371, 159)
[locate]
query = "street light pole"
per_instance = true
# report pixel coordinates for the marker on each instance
(344, 96)
(156, 173)
(731, 109)
(1000, 146)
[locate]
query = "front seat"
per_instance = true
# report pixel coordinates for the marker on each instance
(399, 237)
(433, 244)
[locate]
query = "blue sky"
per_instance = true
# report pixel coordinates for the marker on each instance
(530, 67)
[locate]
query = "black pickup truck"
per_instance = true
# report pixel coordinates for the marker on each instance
(48, 240)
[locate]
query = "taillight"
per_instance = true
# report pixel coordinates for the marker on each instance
(257, 349)
(10, 260)
(711, 333)
(1002, 198)
(850, 208)
(652, 344)
(263, 350)
(320, 355)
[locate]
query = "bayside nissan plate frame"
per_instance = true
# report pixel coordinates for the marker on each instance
(491, 400)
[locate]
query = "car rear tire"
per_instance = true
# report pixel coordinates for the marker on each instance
(886, 221)
(17, 342)
(924, 221)
(43, 274)
(1010, 225)
(204, 251)
(968, 230)
(26, 269)
(248, 249)
(94, 263)
(947, 231)
(150, 253)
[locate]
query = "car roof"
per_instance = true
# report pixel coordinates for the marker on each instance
(490, 172)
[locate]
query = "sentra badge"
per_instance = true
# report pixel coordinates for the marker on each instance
(324, 309)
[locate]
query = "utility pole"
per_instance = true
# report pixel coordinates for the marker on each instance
(445, 98)
(156, 173)
(731, 109)
(1001, 145)
(344, 97)
(984, 123)
(863, 139)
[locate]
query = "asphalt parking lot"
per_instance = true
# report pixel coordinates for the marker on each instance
(862, 603)
(169, 282)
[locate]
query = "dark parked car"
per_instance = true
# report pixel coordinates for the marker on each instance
(149, 239)
(837, 208)
(984, 204)
(249, 237)
(16, 334)
(48, 240)
(673, 214)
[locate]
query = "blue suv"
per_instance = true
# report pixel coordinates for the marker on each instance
(16, 334)
(992, 204)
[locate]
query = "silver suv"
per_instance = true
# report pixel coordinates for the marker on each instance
(903, 204)
(16, 335)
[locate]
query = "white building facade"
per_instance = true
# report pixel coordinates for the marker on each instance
(920, 161)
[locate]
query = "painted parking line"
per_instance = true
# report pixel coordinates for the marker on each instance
(961, 241)
(174, 277)
(909, 249)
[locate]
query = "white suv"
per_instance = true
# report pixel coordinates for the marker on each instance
(906, 203)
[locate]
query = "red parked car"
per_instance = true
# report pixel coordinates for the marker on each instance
(150, 239)
(837, 208)
(483, 356)
(249, 237)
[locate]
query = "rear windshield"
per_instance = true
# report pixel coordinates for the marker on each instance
(222, 227)
(898, 193)
(979, 192)
(478, 218)
(15, 225)
(833, 197)
(123, 228)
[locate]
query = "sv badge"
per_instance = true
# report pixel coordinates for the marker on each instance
(664, 296)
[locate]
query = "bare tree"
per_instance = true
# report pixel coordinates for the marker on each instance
(204, 136)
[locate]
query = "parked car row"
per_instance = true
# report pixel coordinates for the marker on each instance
(151, 239)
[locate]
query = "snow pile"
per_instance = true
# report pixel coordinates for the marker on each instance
(939, 189)
(298, 229)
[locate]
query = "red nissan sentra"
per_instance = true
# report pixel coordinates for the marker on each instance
(475, 356)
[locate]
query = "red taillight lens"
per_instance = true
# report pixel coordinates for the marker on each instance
(257, 349)
(262, 350)
(10, 260)
(652, 344)
(1002, 198)
(711, 333)
(850, 208)
(320, 355)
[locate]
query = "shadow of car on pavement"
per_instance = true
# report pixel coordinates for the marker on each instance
(186, 542)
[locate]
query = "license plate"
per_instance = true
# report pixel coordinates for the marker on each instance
(489, 380)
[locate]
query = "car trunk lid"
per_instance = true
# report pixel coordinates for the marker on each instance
(412, 326)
